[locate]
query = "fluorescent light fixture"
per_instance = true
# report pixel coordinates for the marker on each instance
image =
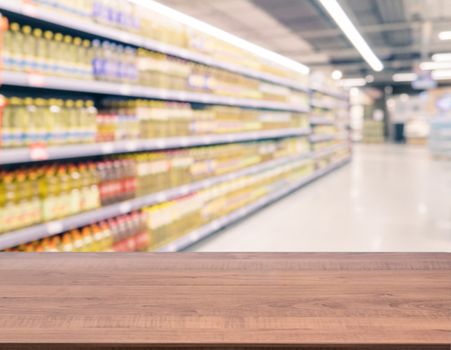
(354, 91)
(441, 57)
(337, 74)
(369, 78)
(353, 82)
(444, 35)
(341, 18)
(435, 65)
(223, 35)
(404, 77)
(441, 75)
(404, 97)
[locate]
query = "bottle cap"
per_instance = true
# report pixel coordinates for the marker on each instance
(37, 32)
(26, 29)
(48, 35)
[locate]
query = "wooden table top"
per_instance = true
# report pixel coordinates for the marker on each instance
(226, 299)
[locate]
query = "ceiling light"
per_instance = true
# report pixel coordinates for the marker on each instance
(404, 77)
(404, 97)
(369, 78)
(353, 82)
(223, 35)
(444, 35)
(339, 16)
(337, 74)
(441, 57)
(354, 91)
(435, 65)
(441, 75)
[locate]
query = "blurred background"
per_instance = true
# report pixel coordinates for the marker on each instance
(240, 125)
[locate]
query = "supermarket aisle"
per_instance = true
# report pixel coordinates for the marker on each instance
(391, 198)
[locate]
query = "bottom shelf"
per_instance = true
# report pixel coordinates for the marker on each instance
(216, 225)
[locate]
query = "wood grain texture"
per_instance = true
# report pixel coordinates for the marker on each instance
(311, 300)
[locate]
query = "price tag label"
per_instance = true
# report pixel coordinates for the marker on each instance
(194, 236)
(36, 80)
(184, 190)
(125, 207)
(184, 141)
(125, 37)
(230, 138)
(162, 197)
(206, 140)
(182, 95)
(39, 151)
(215, 225)
(161, 143)
(125, 89)
(131, 146)
(107, 148)
(54, 227)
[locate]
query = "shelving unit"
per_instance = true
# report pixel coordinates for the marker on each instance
(127, 90)
(321, 138)
(321, 121)
(329, 121)
(216, 225)
(98, 89)
(39, 231)
(23, 155)
(32, 11)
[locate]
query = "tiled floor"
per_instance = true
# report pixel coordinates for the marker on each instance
(390, 198)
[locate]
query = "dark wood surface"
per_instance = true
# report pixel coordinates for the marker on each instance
(314, 300)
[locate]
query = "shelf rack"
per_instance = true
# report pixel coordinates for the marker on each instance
(24, 154)
(328, 151)
(321, 121)
(39, 231)
(30, 10)
(327, 91)
(102, 87)
(321, 138)
(216, 225)
(320, 104)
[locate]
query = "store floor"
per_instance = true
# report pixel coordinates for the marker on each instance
(390, 198)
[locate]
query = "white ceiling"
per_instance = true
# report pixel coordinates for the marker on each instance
(301, 30)
(244, 19)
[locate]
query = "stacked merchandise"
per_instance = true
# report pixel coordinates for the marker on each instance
(31, 195)
(373, 131)
(157, 225)
(330, 130)
(440, 137)
(38, 51)
(54, 121)
(96, 93)
(125, 233)
(416, 130)
(151, 26)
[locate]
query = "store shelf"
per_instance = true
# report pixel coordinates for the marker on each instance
(39, 231)
(101, 87)
(32, 154)
(327, 91)
(329, 151)
(321, 121)
(27, 8)
(216, 225)
(321, 104)
(321, 138)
